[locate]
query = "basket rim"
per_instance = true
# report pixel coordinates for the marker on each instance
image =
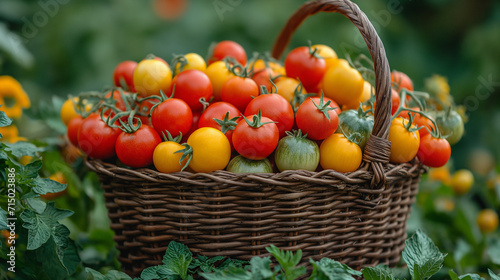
(297, 179)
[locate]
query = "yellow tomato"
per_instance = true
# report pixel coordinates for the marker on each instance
(286, 87)
(151, 76)
(166, 160)
(440, 174)
(342, 83)
(404, 144)
(327, 53)
(8, 133)
(339, 154)
(191, 61)
(368, 90)
(68, 111)
(461, 181)
(11, 89)
(487, 220)
(218, 74)
(211, 150)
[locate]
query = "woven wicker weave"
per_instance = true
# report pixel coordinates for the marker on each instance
(358, 218)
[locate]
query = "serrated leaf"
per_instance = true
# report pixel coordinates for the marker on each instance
(288, 262)
(158, 272)
(493, 251)
(230, 273)
(329, 269)
(29, 171)
(377, 273)
(4, 120)
(37, 204)
(58, 263)
(38, 230)
(205, 263)
(468, 276)
(96, 275)
(261, 268)
(46, 185)
(42, 226)
(21, 148)
(422, 257)
(3, 219)
(177, 258)
(493, 275)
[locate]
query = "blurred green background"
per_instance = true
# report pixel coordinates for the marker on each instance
(61, 47)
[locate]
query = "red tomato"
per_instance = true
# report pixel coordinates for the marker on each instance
(275, 107)
(263, 78)
(434, 152)
(218, 111)
(97, 139)
(396, 100)
(73, 127)
(136, 149)
(400, 80)
(307, 68)
(229, 49)
(239, 91)
(253, 141)
(123, 75)
(311, 119)
(172, 115)
(191, 85)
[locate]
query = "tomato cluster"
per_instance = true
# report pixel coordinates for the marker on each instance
(313, 112)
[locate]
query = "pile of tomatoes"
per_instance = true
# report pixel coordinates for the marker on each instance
(312, 112)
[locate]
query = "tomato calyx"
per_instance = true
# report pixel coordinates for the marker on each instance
(354, 137)
(299, 97)
(226, 124)
(168, 137)
(417, 98)
(187, 152)
(324, 107)
(296, 133)
(178, 61)
(256, 121)
(314, 52)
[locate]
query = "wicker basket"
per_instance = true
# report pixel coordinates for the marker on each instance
(357, 218)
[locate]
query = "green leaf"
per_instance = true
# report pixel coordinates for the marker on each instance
(46, 185)
(468, 276)
(493, 251)
(21, 148)
(4, 120)
(37, 204)
(204, 263)
(158, 272)
(58, 262)
(453, 275)
(261, 268)
(230, 273)
(96, 275)
(3, 219)
(377, 273)
(288, 262)
(329, 269)
(29, 171)
(493, 275)
(422, 256)
(42, 226)
(177, 258)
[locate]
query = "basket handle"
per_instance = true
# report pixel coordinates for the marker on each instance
(378, 148)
